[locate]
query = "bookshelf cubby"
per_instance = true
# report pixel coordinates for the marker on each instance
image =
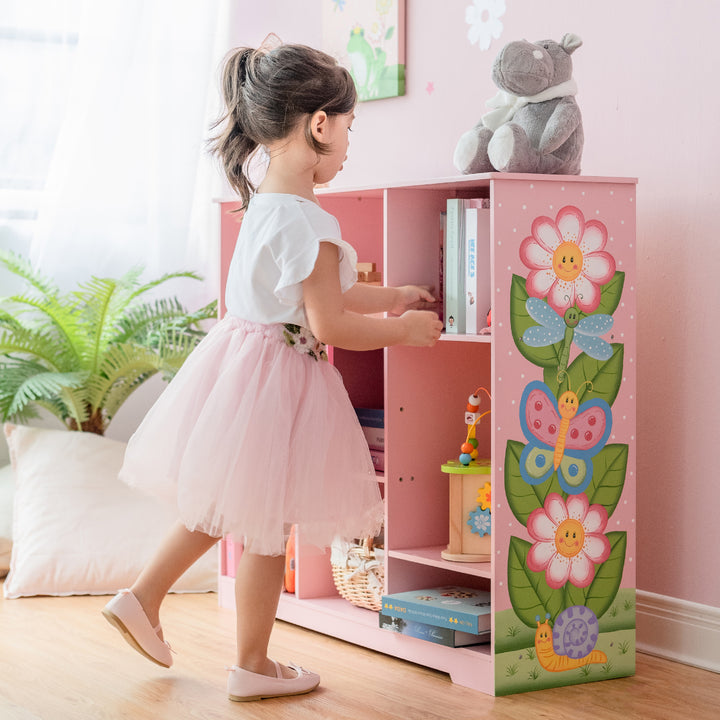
(423, 392)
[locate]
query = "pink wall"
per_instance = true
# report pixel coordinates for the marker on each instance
(648, 113)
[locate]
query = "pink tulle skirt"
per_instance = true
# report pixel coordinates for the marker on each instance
(252, 436)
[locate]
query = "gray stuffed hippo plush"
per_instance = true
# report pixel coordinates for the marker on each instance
(535, 124)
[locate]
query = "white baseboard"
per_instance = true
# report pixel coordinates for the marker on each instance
(678, 630)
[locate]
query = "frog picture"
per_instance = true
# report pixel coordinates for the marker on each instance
(367, 36)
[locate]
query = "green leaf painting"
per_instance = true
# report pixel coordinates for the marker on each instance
(531, 597)
(529, 593)
(608, 480)
(590, 378)
(603, 589)
(610, 294)
(520, 321)
(522, 497)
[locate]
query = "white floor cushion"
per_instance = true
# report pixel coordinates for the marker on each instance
(77, 529)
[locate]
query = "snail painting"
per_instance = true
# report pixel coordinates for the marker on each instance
(570, 643)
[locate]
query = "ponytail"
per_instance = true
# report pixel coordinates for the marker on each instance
(232, 144)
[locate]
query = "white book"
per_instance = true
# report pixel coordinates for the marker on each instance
(454, 278)
(477, 268)
(454, 260)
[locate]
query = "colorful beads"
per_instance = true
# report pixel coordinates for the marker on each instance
(473, 404)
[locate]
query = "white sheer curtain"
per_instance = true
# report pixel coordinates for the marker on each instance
(130, 182)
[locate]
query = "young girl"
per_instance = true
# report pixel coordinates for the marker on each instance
(256, 432)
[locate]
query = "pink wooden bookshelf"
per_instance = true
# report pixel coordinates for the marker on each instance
(423, 393)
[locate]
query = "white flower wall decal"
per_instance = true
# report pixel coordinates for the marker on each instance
(483, 17)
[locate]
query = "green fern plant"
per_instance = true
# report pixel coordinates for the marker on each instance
(79, 355)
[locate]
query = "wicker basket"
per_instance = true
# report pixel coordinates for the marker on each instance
(359, 573)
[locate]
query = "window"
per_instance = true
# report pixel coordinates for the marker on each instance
(38, 40)
(103, 164)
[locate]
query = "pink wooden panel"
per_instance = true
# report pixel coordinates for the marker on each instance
(313, 577)
(361, 222)
(412, 230)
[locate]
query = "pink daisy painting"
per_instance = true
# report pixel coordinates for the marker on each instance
(567, 260)
(569, 540)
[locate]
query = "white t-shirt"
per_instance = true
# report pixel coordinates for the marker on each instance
(276, 250)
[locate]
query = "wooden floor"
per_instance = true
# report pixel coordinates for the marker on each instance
(60, 660)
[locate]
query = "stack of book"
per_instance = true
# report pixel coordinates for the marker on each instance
(465, 265)
(372, 422)
(450, 615)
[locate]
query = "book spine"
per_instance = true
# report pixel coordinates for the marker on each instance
(471, 271)
(484, 286)
(431, 633)
(378, 459)
(375, 437)
(370, 417)
(372, 423)
(440, 289)
(422, 631)
(431, 615)
(477, 266)
(454, 257)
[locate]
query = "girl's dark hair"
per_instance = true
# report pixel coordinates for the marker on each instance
(266, 94)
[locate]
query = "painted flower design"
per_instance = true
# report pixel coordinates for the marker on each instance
(569, 540)
(479, 521)
(484, 498)
(483, 17)
(567, 260)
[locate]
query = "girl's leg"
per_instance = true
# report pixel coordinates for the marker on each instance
(178, 551)
(258, 584)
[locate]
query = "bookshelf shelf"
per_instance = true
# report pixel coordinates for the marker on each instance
(423, 392)
(431, 556)
(466, 338)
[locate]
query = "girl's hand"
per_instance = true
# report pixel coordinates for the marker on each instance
(412, 297)
(422, 328)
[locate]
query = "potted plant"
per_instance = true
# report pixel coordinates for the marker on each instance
(79, 355)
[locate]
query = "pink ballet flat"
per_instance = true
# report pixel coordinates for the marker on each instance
(126, 614)
(245, 686)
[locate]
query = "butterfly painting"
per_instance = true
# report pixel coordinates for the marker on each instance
(563, 435)
(585, 332)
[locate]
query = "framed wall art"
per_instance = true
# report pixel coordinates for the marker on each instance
(368, 38)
